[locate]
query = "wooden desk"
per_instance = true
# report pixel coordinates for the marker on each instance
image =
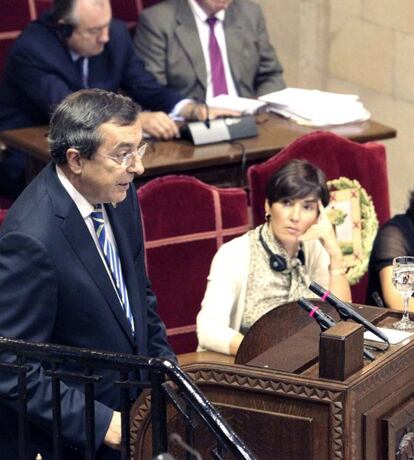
(299, 415)
(218, 164)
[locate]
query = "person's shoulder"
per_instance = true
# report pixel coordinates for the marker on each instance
(246, 7)
(118, 27)
(29, 212)
(166, 7)
(397, 222)
(236, 246)
(34, 36)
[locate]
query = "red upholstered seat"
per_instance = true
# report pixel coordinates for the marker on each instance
(14, 16)
(3, 213)
(336, 156)
(127, 10)
(5, 203)
(185, 221)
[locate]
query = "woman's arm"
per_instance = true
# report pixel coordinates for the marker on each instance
(221, 299)
(324, 231)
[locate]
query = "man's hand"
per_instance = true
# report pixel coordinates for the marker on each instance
(159, 125)
(197, 111)
(113, 435)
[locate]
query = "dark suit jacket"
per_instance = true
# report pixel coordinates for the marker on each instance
(40, 73)
(54, 288)
(166, 38)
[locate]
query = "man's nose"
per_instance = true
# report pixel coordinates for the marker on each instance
(104, 36)
(136, 167)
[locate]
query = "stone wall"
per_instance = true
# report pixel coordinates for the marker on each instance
(356, 46)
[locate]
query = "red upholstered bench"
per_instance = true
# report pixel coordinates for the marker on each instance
(185, 222)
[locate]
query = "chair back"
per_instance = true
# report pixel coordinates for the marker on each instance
(127, 10)
(337, 157)
(185, 222)
(5, 204)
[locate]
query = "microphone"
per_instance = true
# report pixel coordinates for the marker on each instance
(324, 320)
(346, 311)
(207, 120)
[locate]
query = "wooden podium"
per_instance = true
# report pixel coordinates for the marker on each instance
(275, 400)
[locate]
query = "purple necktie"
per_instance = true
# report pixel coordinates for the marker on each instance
(216, 61)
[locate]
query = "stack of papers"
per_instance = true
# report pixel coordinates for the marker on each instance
(242, 104)
(394, 336)
(316, 108)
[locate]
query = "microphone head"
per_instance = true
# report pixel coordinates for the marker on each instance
(306, 305)
(317, 289)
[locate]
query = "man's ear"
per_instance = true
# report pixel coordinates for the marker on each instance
(74, 160)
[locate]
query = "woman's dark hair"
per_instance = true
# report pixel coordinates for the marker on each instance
(410, 210)
(75, 122)
(297, 179)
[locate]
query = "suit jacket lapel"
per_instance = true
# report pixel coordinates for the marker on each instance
(76, 232)
(187, 35)
(233, 32)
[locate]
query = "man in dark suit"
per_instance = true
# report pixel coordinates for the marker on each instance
(56, 282)
(173, 39)
(75, 45)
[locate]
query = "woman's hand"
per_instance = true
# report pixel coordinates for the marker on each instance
(324, 231)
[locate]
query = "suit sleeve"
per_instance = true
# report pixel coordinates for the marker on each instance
(269, 76)
(151, 46)
(32, 72)
(140, 84)
(28, 309)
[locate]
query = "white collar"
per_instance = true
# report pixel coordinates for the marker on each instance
(85, 208)
(202, 15)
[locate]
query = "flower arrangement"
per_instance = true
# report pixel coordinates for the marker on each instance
(369, 226)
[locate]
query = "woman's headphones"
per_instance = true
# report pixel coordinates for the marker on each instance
(276, 261)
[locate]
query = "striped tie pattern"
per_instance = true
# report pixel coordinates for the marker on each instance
(112, 260)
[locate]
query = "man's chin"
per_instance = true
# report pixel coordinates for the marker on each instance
(117, 198)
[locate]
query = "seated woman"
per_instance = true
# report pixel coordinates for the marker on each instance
(395, 238)
(274, 263)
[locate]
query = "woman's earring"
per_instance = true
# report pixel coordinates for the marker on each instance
(267, 217)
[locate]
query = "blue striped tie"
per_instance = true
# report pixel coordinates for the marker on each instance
(112, 260)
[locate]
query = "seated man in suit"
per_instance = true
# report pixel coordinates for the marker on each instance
(72, 269)
(75, 45)
(204, 48)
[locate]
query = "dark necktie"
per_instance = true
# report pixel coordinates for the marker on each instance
(112, 260)
(80, 65)
(216, 61)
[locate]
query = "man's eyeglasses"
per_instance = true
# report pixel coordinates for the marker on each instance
(126, 159)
